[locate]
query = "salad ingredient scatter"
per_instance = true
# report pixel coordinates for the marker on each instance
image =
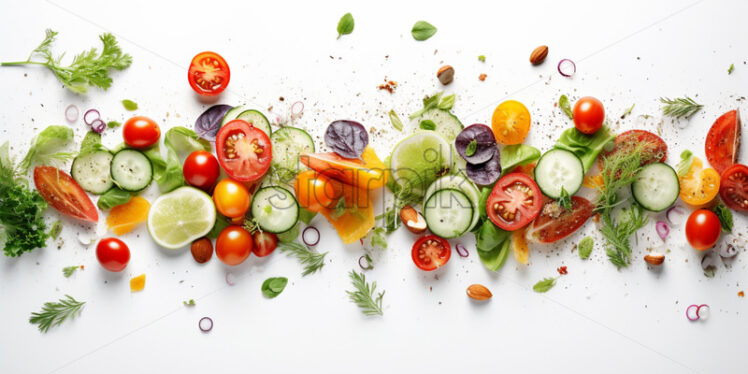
(680, 107)
(209, 74)
(205, 324)
(563, 103)
(345, 25)
(698, 186)
(113, 254)
(312, 261)
(273, 287)
(703, 229)
(55, 313)
(422, 30)
(725, 216)
(538, 55)
(556, 222)
(364, 295)
(586, 147)
(588, 115)
(476, 144)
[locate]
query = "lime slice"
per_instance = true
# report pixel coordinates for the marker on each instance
(181, 216)
(419, 160)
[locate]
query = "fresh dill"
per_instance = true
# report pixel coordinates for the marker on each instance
(364, 295)
(55, 313)
(312, 261)
(69, 270)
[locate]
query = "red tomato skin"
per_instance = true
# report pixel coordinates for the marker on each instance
(703, 229)
(733, 187)
(140, 132)
(722, 141)
(63, 193)
(527, 213)
(234, 245)
(193, 72)
(435, 262)
(627, 139)
(264, 243)
(589, 115)
(113, 254)
(238, 168)
(201, 170)
(548, 229)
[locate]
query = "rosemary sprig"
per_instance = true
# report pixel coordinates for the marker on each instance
(363, 296)
(312, 261)
(680, 107)
(54, 313)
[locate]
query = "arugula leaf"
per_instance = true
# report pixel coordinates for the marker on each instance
(363, 295)
(686, 160)
(493, 245)
(563, 103)
(725, 216)
(565, 199)
(422, 30)
(130, 105)
(345, 25)
(55, 313)
(517, 155)
(586, 147)
(471, 148)
(273, 287)
(396, 122)
(427, 124)
(544, 285)
(45, 146)
(585, 247)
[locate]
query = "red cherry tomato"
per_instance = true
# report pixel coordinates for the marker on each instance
(141, 132)
(703, 229)
(113, 254)
(244, 151)
(722, 141)
(556, 223)
(209, 74)
(514, 202)
(265, 243)
(234, 245)
(589, 114)
(733, 187)
(63, 193)
(430, 252)
(201, 170)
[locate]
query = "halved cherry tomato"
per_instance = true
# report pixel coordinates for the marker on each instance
(733, 187)
(514, 202)
(113, 254)
(315, 191)
(63, 193)
(369, 172)
(140, 132)
(703, 229)
(209, 74)
(589, 115)
(244, 151)
(265, 243)
(655, 149)
(201, 170)
(232, 198)
(556, 223)
(699, 186)
(722, 141)
(430, 252)
(234, 245)
(510, 122)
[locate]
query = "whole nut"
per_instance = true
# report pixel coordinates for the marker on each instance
(538, 55)
(445, 74)
(412, 220)
(202, 250)
(655, 259)
(478, 292)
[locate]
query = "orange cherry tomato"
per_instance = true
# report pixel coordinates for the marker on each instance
(699, 186)
(315, 191)
(140, 132)
(232, 198)
(510, 122)
(234, 245)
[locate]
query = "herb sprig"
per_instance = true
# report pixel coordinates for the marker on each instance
(69, 270)
(364, 296)
(55, 313)
(544, 285)
(312, 261)
(680, 107)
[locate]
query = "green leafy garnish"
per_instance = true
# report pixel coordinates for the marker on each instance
(190, 302)
(88, 69)
(544, 285)
(427, 124)
(686, 160)
(447, 102)
(130, 105)
(312, 261)
(55, 313)
(586, 147)
(379, 237)
(563, 103)
(113, 124)
(289, 235)
(680, 107)
(517, 155)
(340, 209)
(345, 25)
(471, 148)
(178, 141)
(482, 58)
(617, 233)
(55, 230)
(113, 197)
(725, 216)
(422, 30)
(585, 247)
(273, 287)
(493, 245)
(730, 69)
(363, 296)
(69, 270)
(45, 147)
(565, 200)
(435, 101)
(396, 122)
(628, 111)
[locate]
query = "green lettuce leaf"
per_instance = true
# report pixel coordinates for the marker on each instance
(586, 147)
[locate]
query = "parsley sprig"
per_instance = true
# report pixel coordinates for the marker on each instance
(312, 261)
(55, 313)
(363, 296)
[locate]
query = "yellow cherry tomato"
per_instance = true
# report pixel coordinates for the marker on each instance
(232, 198)
(510, 122)
(699, 186)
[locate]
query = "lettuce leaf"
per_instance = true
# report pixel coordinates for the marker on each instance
(586, 147)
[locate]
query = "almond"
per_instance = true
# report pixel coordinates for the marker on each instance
(655, 259)
(478, 292)
(202, 250)
(445, 74)
(538, 55)
(412, 220)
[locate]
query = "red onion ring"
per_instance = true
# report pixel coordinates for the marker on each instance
(700, 314)
(297, 109)
(71, 113)
(695, 316)
(98, 125)
(662, 229)
(461, 250)
(567, 67)
(310, 236)
(90, 116)
(205, 324)
(364, 263)
(675, 215)
(230, 279)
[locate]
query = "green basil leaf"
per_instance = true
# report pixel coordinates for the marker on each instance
(113, 124)
(585, 247)
(428, 124)
(396, 122)
(273, 287)
(725, 216)
(422, 30)
(517, 155)
(447, 102)
(545, 285)
(471, 148)
(345, 25)
(220, 224)
(563, 103)
(113, 197)
(306, 216)
(130, 105)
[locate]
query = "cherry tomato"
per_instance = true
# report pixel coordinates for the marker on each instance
(699, 186)
(201, 170)
(234, 245)
(655, 149)
(510, 122)
(113, 254)
(556, 223)
(430, 252)
(315, 191)
(265, 243)
(244, 151)
(588, 114)
(141, 132)
(63, 193)
(733, 187)
(232, 198)
(514, 201)
(209, 74)
(722, 141)
(703, 229)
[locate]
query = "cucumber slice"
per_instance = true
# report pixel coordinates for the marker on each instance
(462, 183)
(288, 144)
(275, 209)
(559, 169)
(92, 171)
(131, 170)
(232, 114)
(656, 187)
(448, 213)
(256, 119)
(447, 125)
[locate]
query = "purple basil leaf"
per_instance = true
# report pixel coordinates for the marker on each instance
(485, 143)
(347, 138)
(486, 173)
(208, 124)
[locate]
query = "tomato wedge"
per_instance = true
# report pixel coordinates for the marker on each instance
(556, 223)
(369, 172)
(64, 194)
(244, 151)
(209, 74)
(431, 252)
(722, 141)
(733, 187)
(654, 151)
(699, 186)
(514, 201)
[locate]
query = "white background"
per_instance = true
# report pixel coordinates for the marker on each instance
(597, 319)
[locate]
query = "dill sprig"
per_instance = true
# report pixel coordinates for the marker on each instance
(618, 232)
(312, 261)
(363, 296)
(69, 270)
(55, 313)
(680, 107)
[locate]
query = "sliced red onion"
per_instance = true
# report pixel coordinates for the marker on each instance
(297, 109)
(98, 126)
(365, 262)
(71, 113)
(461, 250)
(310, 236)
(709, 263)
(230, 278)
(90, 116)
(728, 250)
(567, 67)
(205, 324)
(692, 312)
(662, 230)
(703, 311)
(676, 215)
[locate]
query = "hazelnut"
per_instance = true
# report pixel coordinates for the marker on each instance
(202, 250)
(445, 74)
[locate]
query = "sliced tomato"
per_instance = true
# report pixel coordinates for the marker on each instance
(655, 149)
(699, 186)
(555, 223)
(369, 172)
(244, 151)
(722, 141)
(431, 252)
(209, 74)
(733, 188)
(64, 194)
(514, 201)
